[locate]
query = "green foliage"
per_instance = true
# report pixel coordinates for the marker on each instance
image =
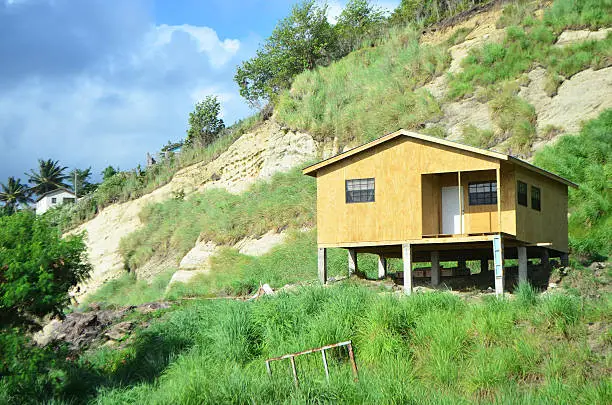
(429, 12)
(79, 178)
(481, 138)
(586, 159)
(358, 21)
(299, 42)
(14, 194)
(37, 268)
(204, 122)
(172, 227)
(50, 176)
(109, 172)
(368, 93)
(29, 373)
(575, 14)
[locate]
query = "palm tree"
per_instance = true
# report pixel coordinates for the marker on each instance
(14, 193)
(50, 176)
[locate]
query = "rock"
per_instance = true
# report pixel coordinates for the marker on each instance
(582, 97)
(198, 258)
(597, 266)
(552, 286)
(572, 37)
(262, 245)
(459, 114)
(119, 331)
(152, 307)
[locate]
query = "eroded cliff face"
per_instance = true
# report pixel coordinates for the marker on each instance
(268, 149)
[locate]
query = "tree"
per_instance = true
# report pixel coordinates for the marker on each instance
(359, 20)
(82, 185)
(14, 193)
(109, 172)
(299, 42)
(50, 176)
(204, 122)
(37, 269)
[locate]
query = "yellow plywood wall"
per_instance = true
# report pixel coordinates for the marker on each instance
(550, 224)
(399, 210)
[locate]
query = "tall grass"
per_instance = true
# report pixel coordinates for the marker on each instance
(368, 93)
(427, 348)
(172, 227)
(586, 159)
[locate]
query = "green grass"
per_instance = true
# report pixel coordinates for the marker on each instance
(171, 228)
(586, 159)
(368, 93)
(427, 348)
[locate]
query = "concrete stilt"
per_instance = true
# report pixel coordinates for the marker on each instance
(435, 268)
(564, 259)
(382, 266)
(522, 264)
(407, 259)
(498, 258)
(322, 265)
(352, 262)
(484, 265)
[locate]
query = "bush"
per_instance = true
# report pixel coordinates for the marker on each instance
(586, 160)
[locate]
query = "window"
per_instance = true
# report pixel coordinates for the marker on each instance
(53, 200)
(359, 190)
(68, 200)
(483, 193)
(521, 193)
(535, 198)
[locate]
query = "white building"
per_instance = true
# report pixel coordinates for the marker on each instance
(54, 198)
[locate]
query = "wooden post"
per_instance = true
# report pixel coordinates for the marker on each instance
(498, 258)
(325, 364)
(382, 267)
(295, 376)
(323, 265)
(407, 259)
(522, 264)
(435, 268)
(352, 262)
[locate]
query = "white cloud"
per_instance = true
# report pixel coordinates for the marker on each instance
(220, 52)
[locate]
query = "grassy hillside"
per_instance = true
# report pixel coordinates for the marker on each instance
(377, 90)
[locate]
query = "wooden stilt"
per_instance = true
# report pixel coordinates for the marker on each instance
(322, 265)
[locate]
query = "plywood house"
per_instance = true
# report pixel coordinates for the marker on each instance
(425, 199)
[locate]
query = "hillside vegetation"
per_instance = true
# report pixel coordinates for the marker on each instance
(378, 90)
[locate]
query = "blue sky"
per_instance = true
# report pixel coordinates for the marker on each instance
(103, 82)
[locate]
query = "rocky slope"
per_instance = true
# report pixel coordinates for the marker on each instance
(268, 149)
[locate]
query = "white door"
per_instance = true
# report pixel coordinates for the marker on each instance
(451, 214)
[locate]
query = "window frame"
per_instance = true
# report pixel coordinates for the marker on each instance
(518, 193)
(53, 200)
(364, 193)
(536, 192)
(484, 197)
